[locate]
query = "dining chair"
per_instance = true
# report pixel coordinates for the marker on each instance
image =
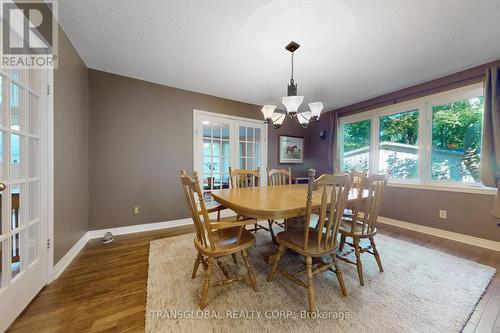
(278, 177)
(321, 241)
(363, 224)
(358, 183)
(241, 178)
(216, 239)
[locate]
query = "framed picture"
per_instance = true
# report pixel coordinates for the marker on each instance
(291, 149)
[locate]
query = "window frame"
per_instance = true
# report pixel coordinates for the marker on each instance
(424, 107)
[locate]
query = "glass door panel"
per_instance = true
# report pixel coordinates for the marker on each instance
(251, 139)
(222, 142)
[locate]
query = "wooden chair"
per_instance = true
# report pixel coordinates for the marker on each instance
(278, 177)
(316, 243)
(358, 183)
(241, 178)
(362, 224)
(216, 239)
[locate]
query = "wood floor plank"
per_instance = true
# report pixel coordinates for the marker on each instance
(104, 288)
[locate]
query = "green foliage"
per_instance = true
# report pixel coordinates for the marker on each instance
(457, 127)
(357, 135)
(400, 127)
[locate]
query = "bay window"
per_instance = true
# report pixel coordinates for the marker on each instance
(433, 140)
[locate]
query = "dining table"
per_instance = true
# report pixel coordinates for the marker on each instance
(274, 202)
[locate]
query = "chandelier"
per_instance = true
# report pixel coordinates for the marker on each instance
(292, 103)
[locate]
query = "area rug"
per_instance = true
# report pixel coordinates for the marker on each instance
(421, 290)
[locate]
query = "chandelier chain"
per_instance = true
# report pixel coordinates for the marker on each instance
(292, 65)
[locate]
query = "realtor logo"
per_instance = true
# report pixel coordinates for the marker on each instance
(29, 34)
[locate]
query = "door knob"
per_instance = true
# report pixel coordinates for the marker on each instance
(2, 187)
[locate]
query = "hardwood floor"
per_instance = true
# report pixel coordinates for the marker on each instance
(104, 289)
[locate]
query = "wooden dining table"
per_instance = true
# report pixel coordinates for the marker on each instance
(272, 202)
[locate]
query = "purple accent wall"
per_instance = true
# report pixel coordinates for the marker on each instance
(467, 213)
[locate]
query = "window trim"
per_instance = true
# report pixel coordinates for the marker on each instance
(424, 106)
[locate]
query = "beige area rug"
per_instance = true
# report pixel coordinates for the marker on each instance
(421, 290)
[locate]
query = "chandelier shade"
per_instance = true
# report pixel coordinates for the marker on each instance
(292, 104)
(316, 109)
(267, 111)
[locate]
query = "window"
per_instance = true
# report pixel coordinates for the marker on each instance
(456, 140)
(432, 140)
(398, 145)
(356, 146)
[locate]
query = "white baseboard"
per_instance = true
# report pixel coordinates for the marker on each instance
(93, 234)
(68, 257)
(455, 236)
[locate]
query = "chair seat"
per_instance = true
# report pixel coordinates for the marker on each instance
(226, 240)
(359, 228)
(294, 239)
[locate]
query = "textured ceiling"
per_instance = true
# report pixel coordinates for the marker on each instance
(350, 51)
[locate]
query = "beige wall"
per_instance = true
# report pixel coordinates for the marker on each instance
(70, 148)
(140, 137)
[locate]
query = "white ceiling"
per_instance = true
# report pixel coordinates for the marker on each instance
(350, 51)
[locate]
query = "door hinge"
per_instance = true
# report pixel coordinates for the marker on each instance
(48, 243)
(48, 89)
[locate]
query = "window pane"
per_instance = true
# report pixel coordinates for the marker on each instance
(207, 181)
(32, 114)
(207, 129)
(356, 146)
(215, 164)
(16, 107)
(257, 150)
(257, 135)
(225, 148)
(399, 145)
(225, 164)
(216, 148)
(250, 163)
(250, 150)
(242, 163)
(216, 130)
(456, 140)
(225, 180)
(243, 133)
(16, 255)
(207, 164)
(206, 148)
(249, 134)
(225, 131)
(243, 149)
(33, 243)
(17, 196)
(33, 157)
(34, 201)
(15, 156)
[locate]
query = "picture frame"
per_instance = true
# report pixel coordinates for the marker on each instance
(291, 149)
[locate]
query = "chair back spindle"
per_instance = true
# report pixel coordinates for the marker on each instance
(276, 177)
(240, 178)
(334, 192)
(375, 186)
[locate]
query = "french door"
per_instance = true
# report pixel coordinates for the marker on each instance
(23, 220)
(221, 142)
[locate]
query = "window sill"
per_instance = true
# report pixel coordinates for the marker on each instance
(447, 188)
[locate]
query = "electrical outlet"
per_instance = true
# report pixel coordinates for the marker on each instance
(137, 210)
(443, 214)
